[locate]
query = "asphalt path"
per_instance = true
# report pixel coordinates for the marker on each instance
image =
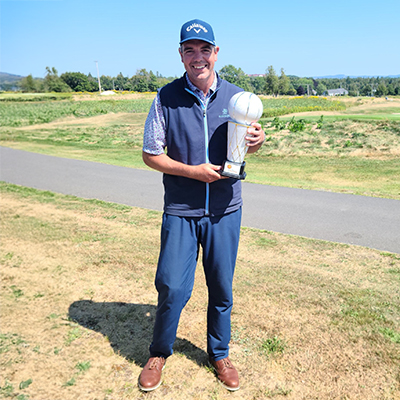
(336, 217)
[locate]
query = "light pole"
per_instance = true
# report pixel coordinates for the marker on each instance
(98, 76)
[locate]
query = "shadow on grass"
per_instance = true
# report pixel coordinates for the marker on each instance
(129, 329)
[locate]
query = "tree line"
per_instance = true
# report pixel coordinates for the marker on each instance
(269, 83)
(273, 84)
(142, 81)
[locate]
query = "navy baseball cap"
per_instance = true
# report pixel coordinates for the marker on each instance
(197, 30)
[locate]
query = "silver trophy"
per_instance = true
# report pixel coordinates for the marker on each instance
(244, 108)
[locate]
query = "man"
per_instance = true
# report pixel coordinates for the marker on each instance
(201, 208)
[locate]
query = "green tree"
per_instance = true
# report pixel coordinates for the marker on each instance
(121, 82)
(366, 90)
(301, 91)
(236, 76)
(257, 84)
(28, 84)
(53, 83)
(106, 82)
(78, 82)
(94, 84)
(271, 81)
(306, 83)
(321, 88)
(284, 83)
(391, 90)
(381, 90)
(154, 85)
(140, 81)
(144, 81)
(353, 90)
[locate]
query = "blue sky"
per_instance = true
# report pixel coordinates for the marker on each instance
(306, 38)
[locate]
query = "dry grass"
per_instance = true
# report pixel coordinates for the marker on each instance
(363, 139)
(117, 96)
(312, 320)
(103, 120)
(356, 106)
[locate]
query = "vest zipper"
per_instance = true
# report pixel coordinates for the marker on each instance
(204, 108)
(207, 205)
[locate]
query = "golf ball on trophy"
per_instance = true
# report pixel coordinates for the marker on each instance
(245, 108)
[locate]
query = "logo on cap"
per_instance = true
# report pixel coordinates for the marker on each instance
(194, 26)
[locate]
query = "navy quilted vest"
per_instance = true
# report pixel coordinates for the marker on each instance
(195, 136)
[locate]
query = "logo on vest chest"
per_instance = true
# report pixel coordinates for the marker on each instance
(225, 113)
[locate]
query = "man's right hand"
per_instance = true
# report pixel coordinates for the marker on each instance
(207, 173)
(204, 172)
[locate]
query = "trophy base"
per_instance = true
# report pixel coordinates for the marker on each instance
(233, 170)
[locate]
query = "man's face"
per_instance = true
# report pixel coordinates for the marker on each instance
(199, 58)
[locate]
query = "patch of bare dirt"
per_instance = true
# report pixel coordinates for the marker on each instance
(356, 107)
(117, 96)
(99, 120)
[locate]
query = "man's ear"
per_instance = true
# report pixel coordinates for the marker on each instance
(216, 50)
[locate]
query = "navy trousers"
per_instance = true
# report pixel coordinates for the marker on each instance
(181, 238)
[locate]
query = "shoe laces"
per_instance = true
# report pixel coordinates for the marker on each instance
(156, 362)
(227, 363)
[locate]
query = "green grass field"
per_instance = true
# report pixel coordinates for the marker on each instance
(353, 150)
(30, 113)
(287, 105)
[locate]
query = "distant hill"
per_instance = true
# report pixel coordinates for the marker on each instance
(9, 78)
(342, 76)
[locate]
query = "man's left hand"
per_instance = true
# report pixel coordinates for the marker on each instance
(255, 137)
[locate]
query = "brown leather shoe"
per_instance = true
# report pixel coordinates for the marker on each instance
(150, 378)
(226, 373)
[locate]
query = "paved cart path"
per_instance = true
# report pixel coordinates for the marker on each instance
(345, 218)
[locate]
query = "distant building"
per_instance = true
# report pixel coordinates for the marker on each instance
(335, 92)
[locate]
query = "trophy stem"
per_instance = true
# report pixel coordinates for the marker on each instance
(234, 165)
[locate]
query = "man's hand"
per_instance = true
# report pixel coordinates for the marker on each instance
(204, 172)
(207, 173)
(255, 137)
